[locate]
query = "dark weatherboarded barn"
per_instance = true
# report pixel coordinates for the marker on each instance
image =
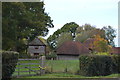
(71, 50)
(36, 47)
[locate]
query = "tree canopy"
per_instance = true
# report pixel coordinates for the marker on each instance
(23, 20)
(81, 34)
(109, 35)
(68, 28)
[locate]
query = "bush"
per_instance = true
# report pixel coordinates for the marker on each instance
(9, 62)
(95, 65)
(116, 63)
(50, 56)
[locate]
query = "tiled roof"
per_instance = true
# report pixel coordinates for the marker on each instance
(36, 41)
(115, 50)
(73, 48)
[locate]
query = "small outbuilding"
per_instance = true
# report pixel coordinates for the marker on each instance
(71, 50)
(115, 50)
(36, 47)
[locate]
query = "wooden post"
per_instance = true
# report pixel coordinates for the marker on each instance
(42, 65)
(18, 69)
(29, 67)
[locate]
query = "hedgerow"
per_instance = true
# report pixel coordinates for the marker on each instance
(9, 62)
(99, 65)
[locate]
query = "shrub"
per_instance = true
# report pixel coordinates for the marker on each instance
(102, 53)
(95, 65)
(50, 56)
(116, 63)
(9, 62)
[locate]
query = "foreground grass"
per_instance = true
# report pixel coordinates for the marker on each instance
(59, 66)
(66, 75)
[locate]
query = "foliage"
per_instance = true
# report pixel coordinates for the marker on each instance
(70, 27)
(51, 55)
(83, 36)
(87, 31)
(116, 64)
(67, 28)
(109, 35)
(9, 62)
(95, 65)
(100, 44)
(23, 21)
(52, 42)
(102, 53)
(88, 27)
(63, 38)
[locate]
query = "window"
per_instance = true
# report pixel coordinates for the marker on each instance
(36, 47)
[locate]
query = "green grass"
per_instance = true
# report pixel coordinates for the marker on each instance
(60, 65)
(66, 75)
(57, 68)
(72, 66)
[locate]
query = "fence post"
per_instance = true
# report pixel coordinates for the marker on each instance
(42, 65)
(29, 67)
(18, 69)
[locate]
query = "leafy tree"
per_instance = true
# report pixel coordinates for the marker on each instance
(87, 31)
(67, 28)
(100, 44)
(70, 27)
(79, 30)
(87, 27)
(109, 35)
(23, 21)
(83, 36)
(63, 38)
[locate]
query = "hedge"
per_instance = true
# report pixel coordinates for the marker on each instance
(9, 62)
(116, 63)
(50, 56)
(96, 65)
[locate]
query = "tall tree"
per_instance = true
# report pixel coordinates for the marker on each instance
(110, 34)
(70, 27)
(23, 20)
(67, 28)
(100, 44)
(88, 31)
(63, 38)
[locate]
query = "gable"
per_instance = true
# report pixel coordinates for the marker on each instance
(37, 41)
(73, 48)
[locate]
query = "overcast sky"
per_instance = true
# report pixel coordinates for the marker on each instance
(98, 13)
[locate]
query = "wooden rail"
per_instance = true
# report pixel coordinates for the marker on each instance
(28, 68)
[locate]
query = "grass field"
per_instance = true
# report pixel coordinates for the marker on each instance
(57, 69)
(69, 66)
(67, 75)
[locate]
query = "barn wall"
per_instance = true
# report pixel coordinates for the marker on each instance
(67, 57)
(32, 50)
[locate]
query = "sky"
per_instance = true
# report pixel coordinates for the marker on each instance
(98, 13)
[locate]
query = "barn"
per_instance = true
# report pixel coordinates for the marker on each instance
(115, 50)
(71, 50)
(36, 47)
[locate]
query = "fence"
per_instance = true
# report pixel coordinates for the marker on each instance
(29, 67)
